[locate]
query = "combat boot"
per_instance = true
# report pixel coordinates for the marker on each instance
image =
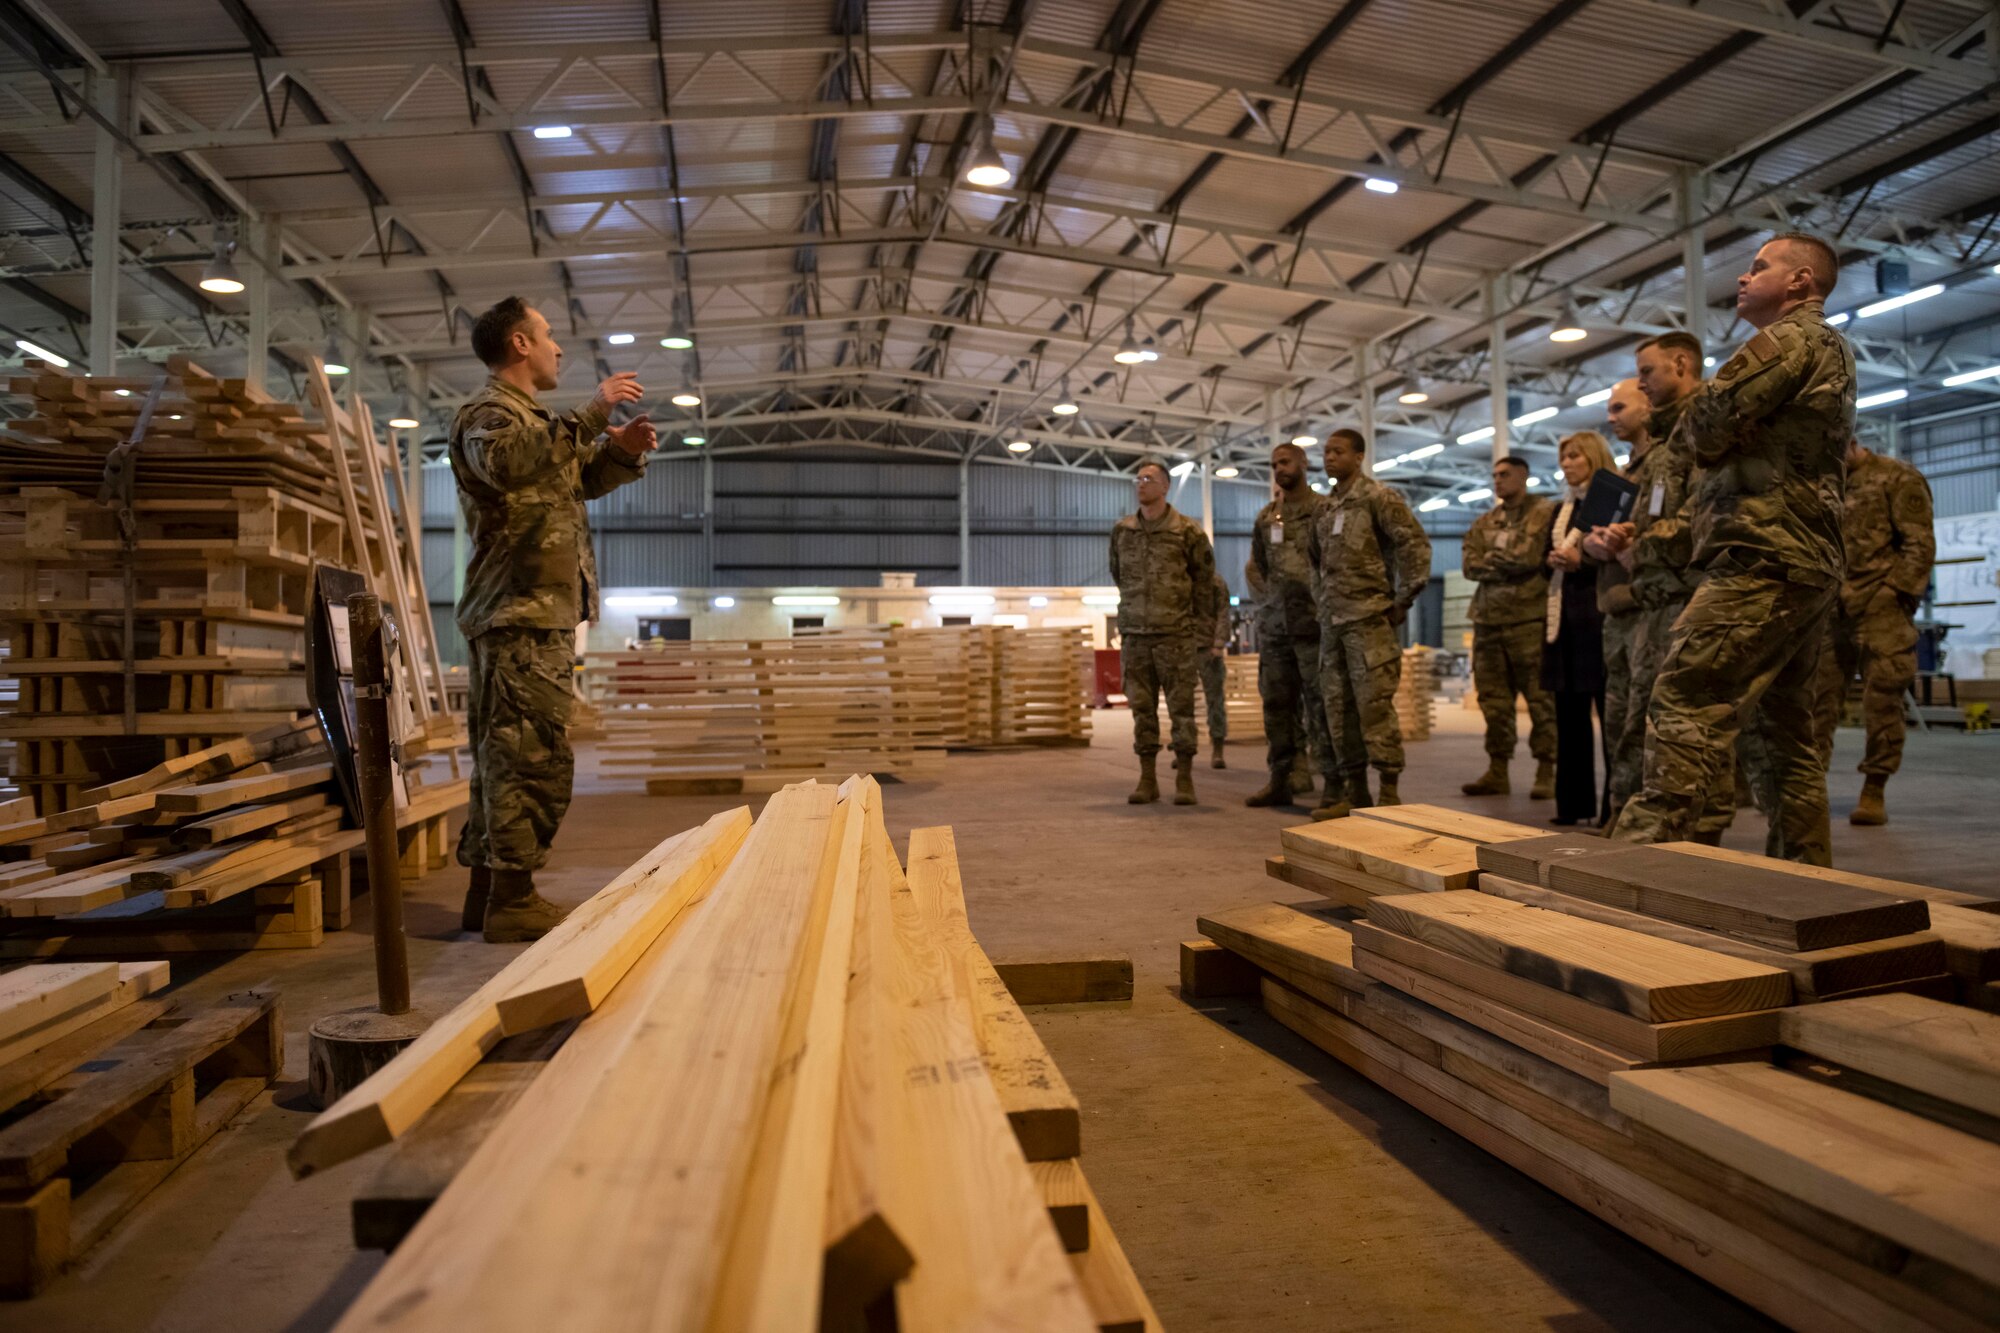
(1302, 782)
(1183, 779)
(515, 913)
(1869, 809)
(1386, 794)
(473, 915)
(1278, 791)
(1334, 808)
(1493, 782)
(1215, 760)
(1545, 782)
(1148, 790)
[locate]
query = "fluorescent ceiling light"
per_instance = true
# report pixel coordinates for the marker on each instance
(1388, 463)
(1839, 319)
(552, 131)
(1305, 441)
(723, 603)
(649, 602)
(1539, 414)
(1226, 471)
(1428, 451)
(1882, 399)
(694, 441)
(1380, 185)
(1971, 377)
(686, 398)
(805, 599)
(1038, 601)
(403, 423)
(1100, 599)
(1019, 446)
(1593, 399)
(1884, 306)
(1476, 495)
(620, 339)
(1431, 506)
(1182, 468)
(36, 349)
(1475, 436)
(962, 599)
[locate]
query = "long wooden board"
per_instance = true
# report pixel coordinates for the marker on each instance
(1894, 888)
(134, 982)
(1428, 862)
(204, 797)
(1451, 823)
(1943, 1050)
(38, 992)
(1307, 937)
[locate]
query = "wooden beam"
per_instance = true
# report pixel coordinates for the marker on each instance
(1944, 1050)
(1425, 862)
(38, 992)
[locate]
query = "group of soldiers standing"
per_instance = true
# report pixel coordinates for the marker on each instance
(1768, 558)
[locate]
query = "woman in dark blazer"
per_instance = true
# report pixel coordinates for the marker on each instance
(1573, 640)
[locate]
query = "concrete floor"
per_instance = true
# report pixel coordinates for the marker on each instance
(1256, 1183)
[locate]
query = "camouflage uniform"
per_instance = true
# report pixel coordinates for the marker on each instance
(1369, 557)
(1769, 433)
(1889, 542)
(1214, 667)
(1288, 635)
(1165, 572)
(1503, 554)
(1621, 613)
(523, 474)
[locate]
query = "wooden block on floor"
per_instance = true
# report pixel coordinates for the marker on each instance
(1942, 1050)
(1211, 972)
(1068, 1197)
(1067, 980)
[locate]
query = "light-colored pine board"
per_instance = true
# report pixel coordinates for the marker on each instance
(1305, 936)
(1459, 824)
(1067, 1195)
(1118, 1303)
(135, 981)
(204, 797)
(38, 992)
(1929, 1187)
(1944, 1050)
(1349, 888)
(1428, 862)
(1653, 980)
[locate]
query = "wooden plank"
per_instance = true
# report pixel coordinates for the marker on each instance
(1944, 1050)
(1349, 888)
(1894, 888)
(1529, 859)
(607, 1198)
(1451, 823)
(135, 981)
(203, 797)
(1654, 980)
(1040, 1105)
(1067, 980)
(1685, 1039)
(572, 979)
(1117, 1301)
(30, 996)
(1308, 937)
(235, 823)
(1428, 862)
(1766, 906)
(1211, 972)
(1817, 974)
(1066, 1193)
(1929, 1187)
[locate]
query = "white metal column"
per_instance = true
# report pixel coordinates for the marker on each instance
(107, 198)
(1208, 500)
(1364, 362)
(964, 520)
(708, 513)
(1496, 363)
(262, 257)
(1688, 202)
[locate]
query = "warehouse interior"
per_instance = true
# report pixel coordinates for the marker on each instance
(917, 293)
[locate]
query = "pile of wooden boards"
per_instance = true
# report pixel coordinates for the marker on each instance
(1003, 686)
(1416, 692)
(244, 845)
(1739, 1062)
(790, 1089)
(105, 1087)
(234, 498)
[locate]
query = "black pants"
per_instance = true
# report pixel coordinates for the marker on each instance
(1577, 796)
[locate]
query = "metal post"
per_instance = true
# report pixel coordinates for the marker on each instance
(107, 190)
(1208, 500)
(378, 798)
(1496, 360)
(1694, 260)
(965, 520)
(1364, 362)
(263, 257)
(708, 514)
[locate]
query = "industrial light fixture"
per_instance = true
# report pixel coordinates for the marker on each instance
(1534, 481)
(1182, 468)
(1065, 406)
(965, 599)
(1883, 399)
(1413, 393)
(643, 605)
(1019, 446)
(1475, 436)
(1100, 599)
(1475, 495)
(677, 338)
(36, 349)
(694, 441)
(220, 275)
(552, 131)
(1227, 470)
(1883, 307)
(123, 393)
(336, 364)
(1593, 399)
(1568, 329)
(1305, 441)
(620, 339)
(1380, 185)
(1837, 320)
(724, 603)
(986, 167)
(1539, 414)
(804, 599)
(686, 398)
(1971, 377)
(1129, 352)
(403, 423)
(1435, 503)
(1428, 451)
(1622, 459)
(1038, 602)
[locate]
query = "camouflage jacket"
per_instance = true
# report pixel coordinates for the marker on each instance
(1770, 434)
(1663, 545)
(1369, 554)
(1278, 556)
(1165, 572)
(1504, 554)
(523, 474)
(1886, 530)
(1218, 643)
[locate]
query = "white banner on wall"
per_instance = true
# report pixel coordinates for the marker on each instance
(1968, 586)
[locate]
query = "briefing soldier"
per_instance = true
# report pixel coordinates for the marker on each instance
(1288, 634)
(1370, 560)
(1214, 671)
(1165, 572)
(1503, 555)
(523, 474)
(1889, 542)
(1769, 434)
(1627, 412)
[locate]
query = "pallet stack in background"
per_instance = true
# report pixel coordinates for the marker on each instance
(1750, 1066)
(1416, 692)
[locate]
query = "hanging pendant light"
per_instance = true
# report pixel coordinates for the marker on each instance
(1569, 328)
(1413, 393)
(1065, 405)
(1129, 352)
(336, 364)
(986, 167)
(220, 275)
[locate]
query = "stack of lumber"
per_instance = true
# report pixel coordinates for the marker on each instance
(243, 845)
(105, 1087)
(1041, 685)
(235, 497)
(1649, 1038)
(1241, 700)
(1416, 692)
(722, 717)
(861, 1124)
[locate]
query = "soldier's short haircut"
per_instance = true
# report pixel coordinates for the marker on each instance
(1145, 463)
(492, 329)
(1513, 460)
(1818, 256)
(1288, 448)
(1353, 438)
(1677, 341)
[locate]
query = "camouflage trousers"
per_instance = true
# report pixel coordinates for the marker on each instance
(522, 765)
(1625, 758)
(1156, 664)
(1507, 661)
(1879, 643)
(1360, 665)
(1745, 642)
(1214, 671)
(1651, 630)
(1294, 714)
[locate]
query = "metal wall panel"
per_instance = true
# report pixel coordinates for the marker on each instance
(440, 494)
(668, 495)
(650, 560)
(439, 574)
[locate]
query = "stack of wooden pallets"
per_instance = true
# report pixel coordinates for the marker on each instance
(106, 1086)
(1416, 692)
(1241, 700)
(1041, 686)
(862, 1127)
(1738, 1064)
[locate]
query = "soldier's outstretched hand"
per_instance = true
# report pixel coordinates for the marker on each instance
(636, 438)
(624, 387)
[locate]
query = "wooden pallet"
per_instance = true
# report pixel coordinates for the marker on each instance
(94, 1143)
